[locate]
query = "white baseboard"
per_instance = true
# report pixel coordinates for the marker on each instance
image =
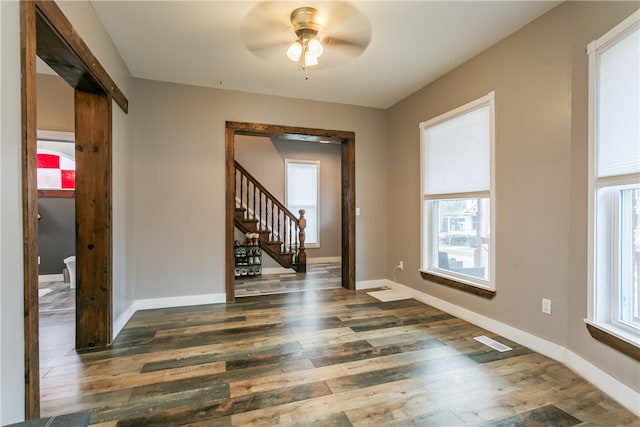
(47, 278)
(122, 320)
(378, 283)
(151, 303)
(278, 270)
(324, 260)
(310, 261)
(620, 392)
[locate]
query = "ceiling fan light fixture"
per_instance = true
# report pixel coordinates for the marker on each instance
(295, 51)
(310, 60)
(314, 47)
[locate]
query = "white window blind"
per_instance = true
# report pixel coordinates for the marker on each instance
(302, 185)
(457, 193)
(302, 193)
(618, 117)
(456, 154)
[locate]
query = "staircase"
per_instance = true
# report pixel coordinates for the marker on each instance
(281, 233)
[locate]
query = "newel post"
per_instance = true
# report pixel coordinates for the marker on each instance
(302, 256)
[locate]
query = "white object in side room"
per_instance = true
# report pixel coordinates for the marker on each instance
(70, 262)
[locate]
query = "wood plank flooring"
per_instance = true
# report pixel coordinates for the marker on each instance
(322, 358)
(327, 275)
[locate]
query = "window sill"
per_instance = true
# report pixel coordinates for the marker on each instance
(57, 193)
(461, 286)
(609, 335)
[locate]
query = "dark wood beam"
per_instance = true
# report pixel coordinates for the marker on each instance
(30, 211)
(93, 220)
(67, 54)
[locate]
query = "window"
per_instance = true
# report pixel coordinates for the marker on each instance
(457, 196)
(614, 176)
(303, 188)
(55, 161)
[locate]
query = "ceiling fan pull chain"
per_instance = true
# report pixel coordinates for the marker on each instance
(305, 47)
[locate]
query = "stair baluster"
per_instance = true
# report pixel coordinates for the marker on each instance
(273, 213)
(254, 201)
(302, 255)
(282, 235)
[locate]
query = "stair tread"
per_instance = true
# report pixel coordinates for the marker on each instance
(249, 222)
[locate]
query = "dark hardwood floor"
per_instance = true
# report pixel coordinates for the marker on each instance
(325, 358)
(327, 275)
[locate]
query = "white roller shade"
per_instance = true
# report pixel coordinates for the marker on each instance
(457, 154)
(618, 115)
(302, 185)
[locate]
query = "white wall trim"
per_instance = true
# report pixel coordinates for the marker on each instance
(278, 270)
(310, 261)
(323, 260)
(620, 392)
(46, 278)
(122, 320)
(378, 283)
(181, 301)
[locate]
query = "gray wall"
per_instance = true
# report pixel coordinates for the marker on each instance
(539, 75)
(55, 104)
(264, 159)
(179, 180)
(11, 277)
(56, 233)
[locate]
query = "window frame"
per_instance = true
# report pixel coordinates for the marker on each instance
(287, 162)
(603, 298)
(428, 224)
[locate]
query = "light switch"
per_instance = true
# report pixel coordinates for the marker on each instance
(357, 211)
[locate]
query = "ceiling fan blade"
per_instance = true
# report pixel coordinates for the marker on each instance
(265, 26)
(356, 46)
(269, 44)
(337, 13)
(266, 16)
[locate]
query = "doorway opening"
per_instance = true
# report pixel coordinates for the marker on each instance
(298, 174)
(46, 33)
(346, 140)
(56, 224)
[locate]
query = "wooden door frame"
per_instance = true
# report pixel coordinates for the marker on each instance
(45, 32)
(348, 191)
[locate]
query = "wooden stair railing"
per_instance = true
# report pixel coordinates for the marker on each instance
(281, 234)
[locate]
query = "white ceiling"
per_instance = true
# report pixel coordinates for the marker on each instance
(413, 43)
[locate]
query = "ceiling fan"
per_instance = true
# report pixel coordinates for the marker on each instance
(279, 31)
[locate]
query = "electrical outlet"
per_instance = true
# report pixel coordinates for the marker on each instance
(546, 306)
(401, 265)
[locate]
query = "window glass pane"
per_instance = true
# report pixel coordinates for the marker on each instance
(629, 301)
(618, 111)
(463, 236)
(456, 154)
